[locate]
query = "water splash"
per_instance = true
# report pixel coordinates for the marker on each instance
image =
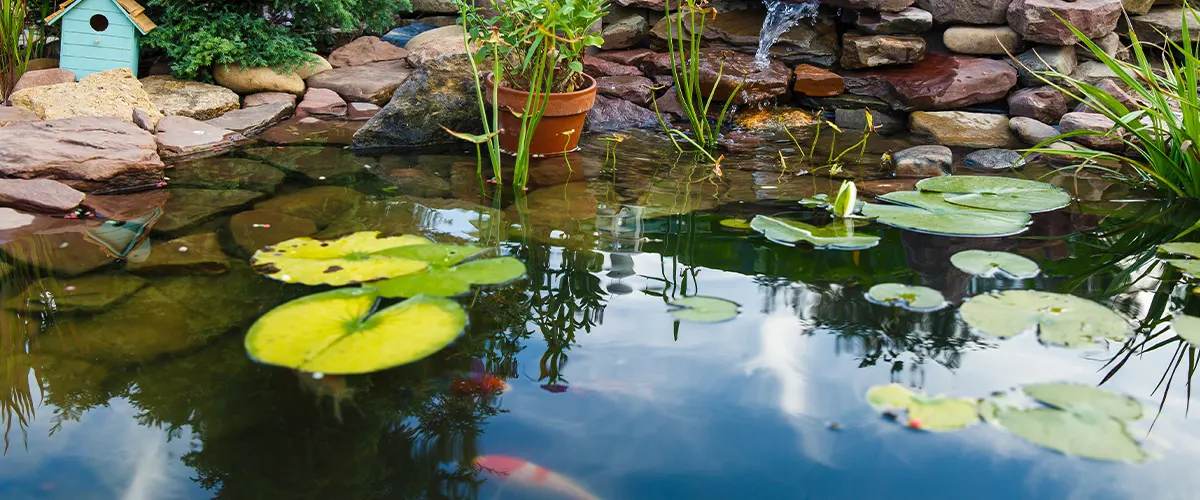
(781, 17)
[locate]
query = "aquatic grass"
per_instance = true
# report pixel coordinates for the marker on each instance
(834, 164)
(18, 44)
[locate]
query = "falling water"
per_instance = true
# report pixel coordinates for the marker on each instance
(781, 17)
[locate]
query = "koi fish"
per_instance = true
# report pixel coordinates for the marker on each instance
(480, 382)
(531, 474)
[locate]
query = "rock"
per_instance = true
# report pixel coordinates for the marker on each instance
(254, 80)
(884, 186)
(187, 208)
(982, 40)
(197, 100)
(114, 93)
(881, 5)
(908, 21)
(193, 254)
(1110, 140)
(372, 82)
(960, 128)
(440, 93)
(635, 89)
(88, 154)
(12, 115)
(1109, 44)
(253, 120)
(320, 204)
(856, 119)
(182, 136)
(361, 111)
(311, 131)
(813, 81)
(39, 195)
(653, 5)
(12, 219)
(994, 159)
(125, 207)
(1137, 7)
(93, 293)
(812, 41)
(317, 66)
(1165, 20)
(1045, 58)
(923, 161)
(936, 82)
(434, 6)
(1114, 91)
(63, 254)
(1045, 104)
(323, 164)
(321, 103)
(669, 104)
(967, 12)
(454, 32)
(624, 32)
(44, 77)
(261, 98)
(414, 182)
(631, 57)
(1031, 131)
(772, 120)
(844, 101)
(255, 229)
(596, 68)
(143, 120)
(41, 63)
(1094, 72)
(400, 36)
(435, 49)
(610, 115)
(880, 50)
(1036, 20)
(225, 173)
(727, 69)
(364, 50)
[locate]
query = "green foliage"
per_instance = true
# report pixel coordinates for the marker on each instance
(685, 68)
(14, 53)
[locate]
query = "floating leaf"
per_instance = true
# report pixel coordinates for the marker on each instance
(834, 236)
(335, 332)
(354, 258)
(704, 309)
(735, 223)
(929, 213)
(928, 414)
(990, 264)
(436, 254)
(1059, 319)
(884, 397)
(817, 201)
(1187, 328)
(1085, 399)
(451, 281)
(997, 193)
(913, 298)
(1190, 266)
(1087, 435)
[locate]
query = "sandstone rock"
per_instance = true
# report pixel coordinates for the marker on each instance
(112, 93)
(1035, 20)
(624, 32)
(143, 119)
(187, 208)
(434, 6)
(190, 255)
(414, 182)
(615, 115)
(1031, 131)
(726, 69)
(596, 68)
(261, 98)
(1114, 91)
(321, 164)
(225, 173)
(994, 159)
(631, 57)
(440, 93)
(881, 5)
(1093, 72)
(1110, 140)
(321, 103)
(63, 254)
(88, 154)
(44, 77)
(1045, 104)
(254, 80)
(813, 81)
(41, 63)
(447, 32)
(983, 40)
(1054, 58)
(182, 136)
(1166, 20)
(364, 50)
(908, 21)
(253, 120)
(635, 89)
(434, 49)
(967, 11)
(960, 128)
(923, 161)
(936, 82)
(39, 195)
(812, 41)
(191, 99)
(856, 119)
(361, 111)
(317, 66)
(311, 131)
(373, 82)
(255, 229)
(1110, 44)
(1137, 7)
(880, 50)
(322, 204)
(12, 115)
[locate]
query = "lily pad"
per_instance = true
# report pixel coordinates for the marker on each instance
(913, 298)
(989, 264)
(436, 254)
(928, 213)
(704, 309)
(354, 258)
(834, 236)
(735, 223)
(335, 332)
(938, 413)
(1059, 319)
(1087, 435)
(1085, 399)
(456, 280)
(1187, 328)
(1190, 266)
(997, 193)
(884, 397)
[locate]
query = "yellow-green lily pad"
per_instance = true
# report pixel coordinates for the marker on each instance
(335, 332)
(355, 258)
(1004, 194)
(889, 396)
(1187, 328)
(1085, 398)
(1059, 319)
(930, 214)
(1190, 249)
(704, 309)
(1080, 434)
(451, 281)
(913, 298)
(938, 413)
(834, 236)
(735, 223)
(990, 264)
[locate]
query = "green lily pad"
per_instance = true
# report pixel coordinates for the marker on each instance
(889, 396)
(1187, 328)
(997, 193)
(1087, 435)
(1085, 399)
(928, 414)
(1059, 319)
(989, 264)
(913, 298)
(704, 309)
(335, 332)
(817, 201)
(436, 254)
(929, 213)
(451, 281)
(735, 223)
(354, 258)
(1190, 266)
(833, 236)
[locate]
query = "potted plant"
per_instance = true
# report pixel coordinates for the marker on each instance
(536, 87)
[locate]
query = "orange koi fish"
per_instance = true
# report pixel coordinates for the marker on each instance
(480, 382)
(531, 474)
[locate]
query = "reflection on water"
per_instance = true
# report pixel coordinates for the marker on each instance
(130, 381)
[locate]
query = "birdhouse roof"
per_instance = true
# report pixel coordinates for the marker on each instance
(134, 11)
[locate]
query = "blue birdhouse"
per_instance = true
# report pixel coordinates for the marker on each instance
(99, 35)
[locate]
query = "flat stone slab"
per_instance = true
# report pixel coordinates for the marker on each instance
(189, 207)
(373, 82)
(182, 136)
(201, 101)
(365, 50)
(88, 153)
(254, 120)
(255, 229)
(12, 115)
(937, 82)
(320, 204)
(39, 195)
(311, 130)
(190, 255)
(92, 293)
(63, 254)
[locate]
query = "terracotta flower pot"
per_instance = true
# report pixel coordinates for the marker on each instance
(560, 127)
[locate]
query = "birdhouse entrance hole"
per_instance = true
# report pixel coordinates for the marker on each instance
(99, 22)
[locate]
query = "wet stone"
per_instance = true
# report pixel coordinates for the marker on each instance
(39, 195)
(63, 254)
(318, 164)
(1045, 58)
(254, 229)
(994, 159)
(856, 119)
(189, 207)
(414, 182)
(908, 21)
(1045, 104)
(91, 293)
(1031, 131)
(1110, 140)
(320, 204)
(225, 173)
(615, 115)
(982, 40)
(631, 57)
(961, 128)
(193, 254)
(635, 89)
(817, 82)
(253, 120)
(936, 82)
(923, 161)
(880, 50)
(596, 68)
(311, 131)
(179, 136)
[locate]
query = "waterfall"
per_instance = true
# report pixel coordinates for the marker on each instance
(781, 17)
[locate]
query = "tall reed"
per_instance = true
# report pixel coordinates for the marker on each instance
(17, 45)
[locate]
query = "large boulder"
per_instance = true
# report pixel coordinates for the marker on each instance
(936, 82)
(439, 94)
(44, 77)
(88, 154)
(364, 50)
(372, 82)
(257, 79)
(114, 93)
(1042, 20)
(960, 128)
(727, 69)
(860, 51)
(197, 100)
(967, 11)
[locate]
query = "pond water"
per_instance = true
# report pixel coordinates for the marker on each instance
(139, 387)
